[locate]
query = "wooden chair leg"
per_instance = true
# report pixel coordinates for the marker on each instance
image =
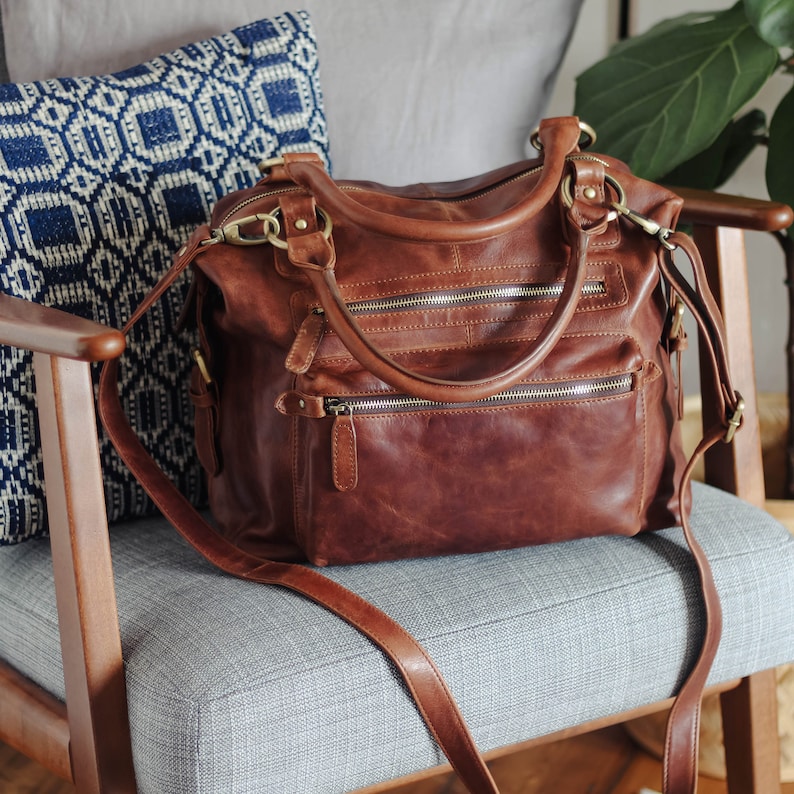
(750, 729)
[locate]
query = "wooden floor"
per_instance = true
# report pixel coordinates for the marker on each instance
(605, 762)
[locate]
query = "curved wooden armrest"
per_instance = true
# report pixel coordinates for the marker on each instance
(707, 208)
(33, 327)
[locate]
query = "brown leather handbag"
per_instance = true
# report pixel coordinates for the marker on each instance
(385, 373)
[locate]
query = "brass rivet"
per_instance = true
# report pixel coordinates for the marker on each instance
(302, 403)
(301, 224)
(590, 193)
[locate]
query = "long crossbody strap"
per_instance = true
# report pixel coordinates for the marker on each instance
(683, 726)
(423, 679)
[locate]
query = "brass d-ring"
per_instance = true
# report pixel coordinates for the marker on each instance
(587, 131)
(328, 225)
(567, 196)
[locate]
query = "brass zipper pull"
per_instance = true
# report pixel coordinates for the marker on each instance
(201, 363)
(344, 455)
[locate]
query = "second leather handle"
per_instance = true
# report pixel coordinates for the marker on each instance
(435, 389)
(560, 137)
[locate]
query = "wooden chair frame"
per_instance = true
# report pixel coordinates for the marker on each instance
(87, 739)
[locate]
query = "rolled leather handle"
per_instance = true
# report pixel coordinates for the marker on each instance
(560, 136)
(435, 389)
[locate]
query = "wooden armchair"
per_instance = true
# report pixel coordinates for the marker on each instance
(94, 728)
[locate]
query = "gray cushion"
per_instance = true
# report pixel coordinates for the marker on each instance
(240, 687)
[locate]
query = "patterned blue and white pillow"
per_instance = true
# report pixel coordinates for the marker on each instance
(101, 180)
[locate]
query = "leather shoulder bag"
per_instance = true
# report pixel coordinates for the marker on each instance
(385, 373)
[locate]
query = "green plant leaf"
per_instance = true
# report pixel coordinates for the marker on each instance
(662, 97)
(664, 27)
(780, 158)
(716, 164)
(773, 20)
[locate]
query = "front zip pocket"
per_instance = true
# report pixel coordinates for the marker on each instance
(400, 475)
(344, 410)
(312, 329)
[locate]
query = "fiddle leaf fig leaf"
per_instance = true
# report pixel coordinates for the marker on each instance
(773, 20)
(780, 158)
(665, 26)
(715, 165)
(660, 98)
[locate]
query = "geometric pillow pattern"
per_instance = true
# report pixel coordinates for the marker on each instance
(101, 180)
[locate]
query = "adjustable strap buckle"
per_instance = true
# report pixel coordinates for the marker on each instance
(735, 419)
(677, 324)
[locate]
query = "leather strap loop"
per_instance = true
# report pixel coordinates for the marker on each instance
(700, 302)
(560, 137)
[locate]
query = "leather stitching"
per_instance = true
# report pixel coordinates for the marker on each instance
(489, 344)
(296, 491)
(641, 404)
(440, 274)
(349, 483)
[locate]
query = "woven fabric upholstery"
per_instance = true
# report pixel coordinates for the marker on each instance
(102, 179)
(239, 687)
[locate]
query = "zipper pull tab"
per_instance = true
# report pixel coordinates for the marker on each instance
(344, 455)
(307, 340)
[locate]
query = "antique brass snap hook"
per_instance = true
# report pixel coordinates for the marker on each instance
(661, 233)
(232, 232)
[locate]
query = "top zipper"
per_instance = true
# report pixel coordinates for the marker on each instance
(447, 200)
(468, 297)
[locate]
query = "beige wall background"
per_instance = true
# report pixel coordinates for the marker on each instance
(595, 31)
